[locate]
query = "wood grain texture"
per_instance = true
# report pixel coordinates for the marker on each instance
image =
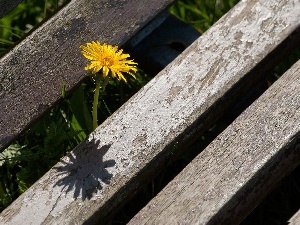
(236, 171)
(124, 152)
(32, 74)
(7, 5)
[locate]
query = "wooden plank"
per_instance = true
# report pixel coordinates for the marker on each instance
(257, 150)
(33, 73)
(236, 171)
(124, 152)
(295, 219)
(7, 5)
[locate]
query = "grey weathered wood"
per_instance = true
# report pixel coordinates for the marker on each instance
(124, 152)
(295, 220)
(33, 73)
(7, 5)
(231, 176)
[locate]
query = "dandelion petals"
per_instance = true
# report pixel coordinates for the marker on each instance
(108, 58)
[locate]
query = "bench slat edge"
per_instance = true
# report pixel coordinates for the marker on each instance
(7, 5)
(295, 219)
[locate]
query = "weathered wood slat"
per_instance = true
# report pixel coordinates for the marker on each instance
(124, 152)
(7, 5)
(295, 220)
(229, 178)
(33, 73)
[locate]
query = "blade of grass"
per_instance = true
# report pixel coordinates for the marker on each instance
(12, 28)
(45, 9)
(4, 41)
(194, 10)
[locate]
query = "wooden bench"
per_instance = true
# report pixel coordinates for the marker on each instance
(222, 184)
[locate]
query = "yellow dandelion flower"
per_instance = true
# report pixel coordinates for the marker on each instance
(108, 58)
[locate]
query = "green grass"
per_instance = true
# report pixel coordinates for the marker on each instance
(35, 152)
(201, 14)
(23, 18)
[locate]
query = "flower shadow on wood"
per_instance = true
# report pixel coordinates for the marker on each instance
(83, 170)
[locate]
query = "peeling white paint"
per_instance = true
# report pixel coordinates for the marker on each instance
(150, 113)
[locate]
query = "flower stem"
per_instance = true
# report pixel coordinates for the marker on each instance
(100, 83)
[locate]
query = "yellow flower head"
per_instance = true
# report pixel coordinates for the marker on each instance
(108, 58)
